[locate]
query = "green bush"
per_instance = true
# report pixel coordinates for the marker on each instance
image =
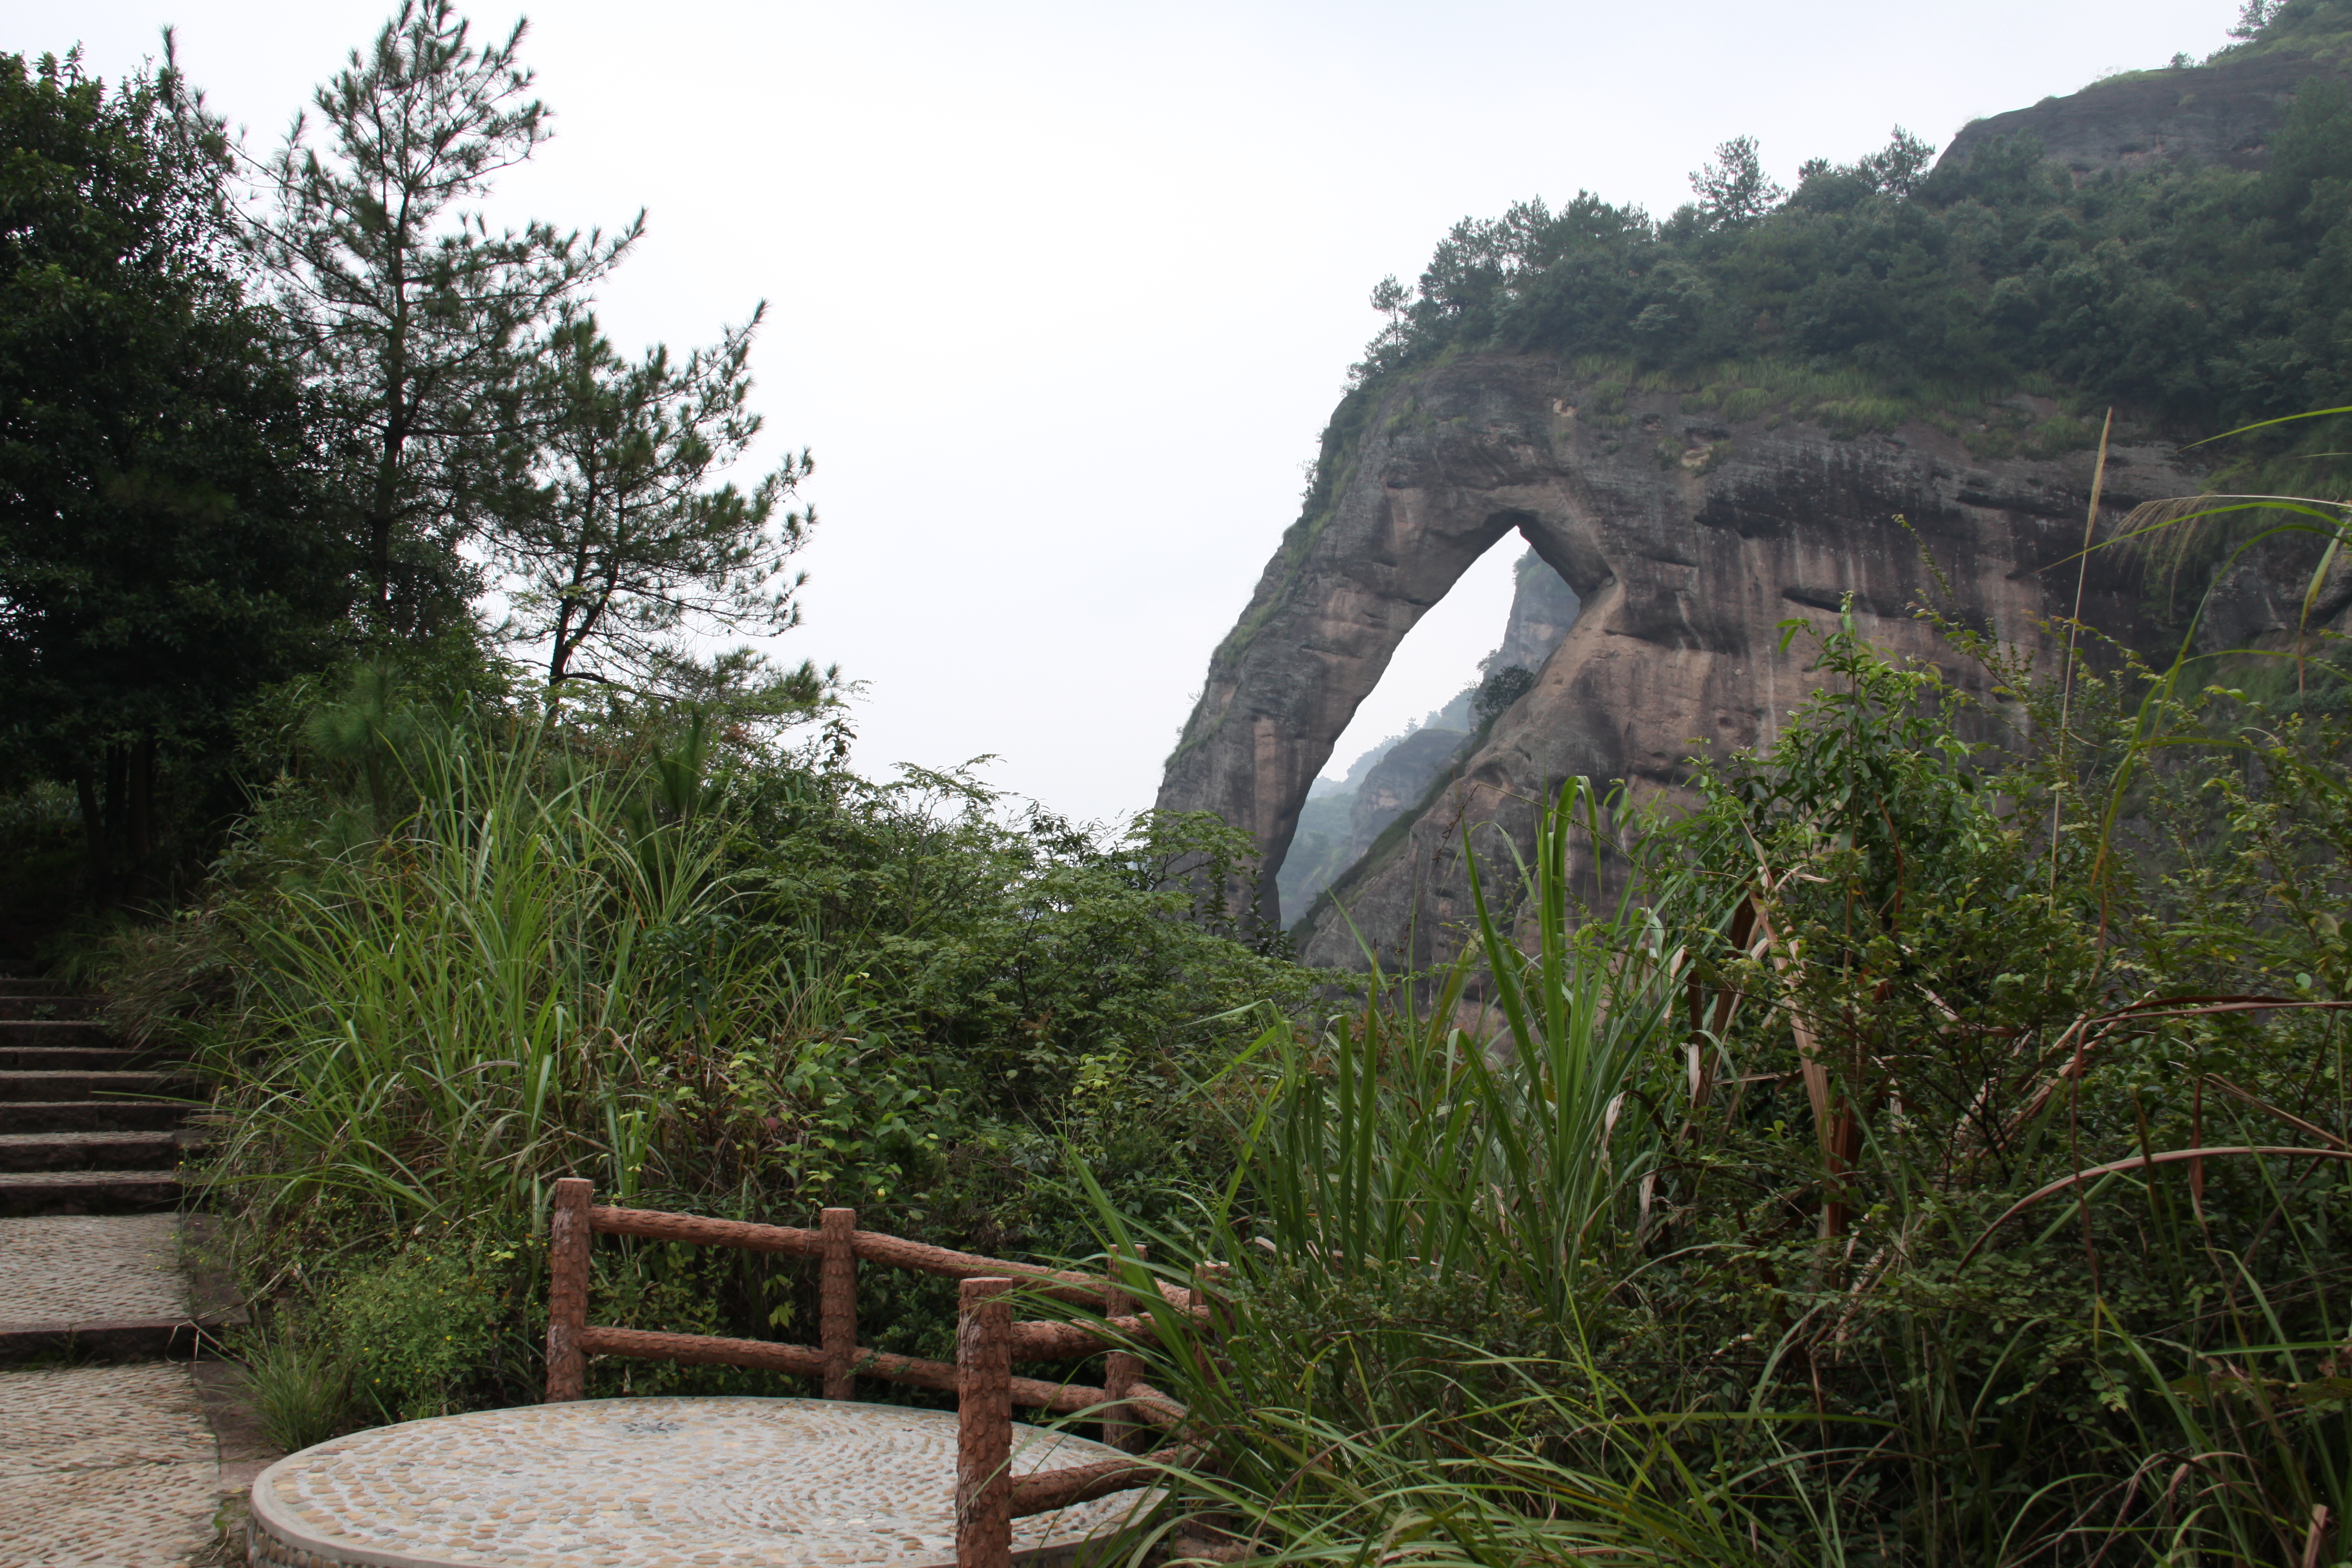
(414, 1332)
(461, 952)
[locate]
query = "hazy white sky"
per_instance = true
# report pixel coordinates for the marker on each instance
(1061, 294)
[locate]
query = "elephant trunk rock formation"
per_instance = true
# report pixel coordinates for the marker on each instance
(1688, 539)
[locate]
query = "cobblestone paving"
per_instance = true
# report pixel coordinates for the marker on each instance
(104, 1466)
(90, 1269)
(75, 1178)
(659, 1483)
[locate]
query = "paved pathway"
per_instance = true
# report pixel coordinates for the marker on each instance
(117, 1450)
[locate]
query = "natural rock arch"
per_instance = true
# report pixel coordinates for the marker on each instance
(1690, 540)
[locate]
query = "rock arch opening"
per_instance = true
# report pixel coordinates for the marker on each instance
(1474, 651)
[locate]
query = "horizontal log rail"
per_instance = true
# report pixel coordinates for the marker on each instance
(655, 1225)
(701, 1350)
(1046, 1491)
(1153, 1406)
(1060, 1341)
(988, 1341)
(897, 1252)
(892, 1251)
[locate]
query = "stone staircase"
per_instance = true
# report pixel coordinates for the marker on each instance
(87, 1125)
(118, 1444)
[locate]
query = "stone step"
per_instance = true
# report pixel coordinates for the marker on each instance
(117, 1339)
(79, 1085)
(55, 1032)
(86, 1192)
(60, 1006)
(24, 985)
(56, 1058)
(89, 1116)
(157, 1151)
(104, 1286)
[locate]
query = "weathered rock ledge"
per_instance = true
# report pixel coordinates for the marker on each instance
(2224, 113)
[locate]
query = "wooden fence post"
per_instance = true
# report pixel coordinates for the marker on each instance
(1205, 1275)
(1121, 1369)
(984, 1424)
(837, 1301)
(568, 1239)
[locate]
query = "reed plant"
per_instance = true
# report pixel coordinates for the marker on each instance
(443, 1016)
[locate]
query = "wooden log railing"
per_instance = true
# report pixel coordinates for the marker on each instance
(988, 1497)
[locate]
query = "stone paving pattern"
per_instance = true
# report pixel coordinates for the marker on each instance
(655, 1483)
(90, 1269)
(105, 1467)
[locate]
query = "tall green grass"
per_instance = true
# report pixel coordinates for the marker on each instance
(456, 956)
(519, 981)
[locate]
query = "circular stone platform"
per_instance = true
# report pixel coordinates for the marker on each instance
(653, 1483)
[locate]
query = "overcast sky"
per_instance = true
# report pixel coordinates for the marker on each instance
(1061, 294)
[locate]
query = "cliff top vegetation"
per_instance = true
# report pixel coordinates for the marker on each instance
(2197, 296)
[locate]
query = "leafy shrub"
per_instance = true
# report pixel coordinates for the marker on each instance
(412, 1331)
(458, 953)
(1500, 689)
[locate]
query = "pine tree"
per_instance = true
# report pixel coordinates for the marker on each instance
(624, 542)
(412, 315)
(1734, 188)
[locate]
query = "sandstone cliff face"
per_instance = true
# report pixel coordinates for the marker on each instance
(1688, 542)
(2223, 114)
(1685, 543)
(1397, 780)
(1543, 607)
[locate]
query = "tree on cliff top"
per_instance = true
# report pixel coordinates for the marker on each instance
(1734, 188)
(2279, 21)
(2204, 296)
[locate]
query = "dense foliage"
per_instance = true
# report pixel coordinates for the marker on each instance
(459, 951)
(1921, 1164)
(162, 549)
